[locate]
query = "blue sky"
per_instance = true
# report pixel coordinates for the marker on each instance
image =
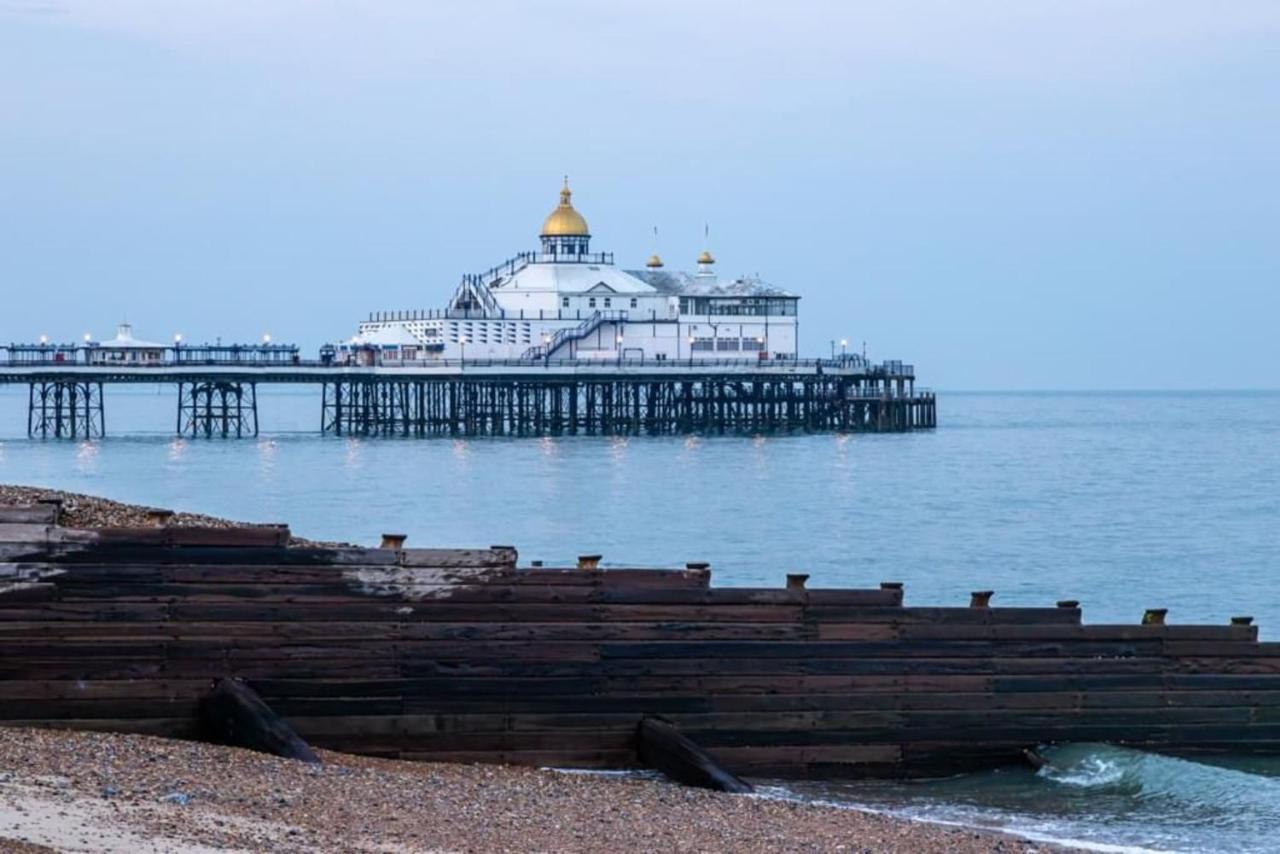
(1010, 195)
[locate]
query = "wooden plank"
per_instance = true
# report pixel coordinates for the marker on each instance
(232, 713)
(662, 746)
(494, 557)
(35, 514)
(241, 535)
(23, 532)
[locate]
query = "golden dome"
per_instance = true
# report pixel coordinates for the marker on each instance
(705, 258)
(564, 221)
(654, 261)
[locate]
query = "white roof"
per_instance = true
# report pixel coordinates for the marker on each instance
(124, 340)
(699, 284)
(570, 278)
(391, 335)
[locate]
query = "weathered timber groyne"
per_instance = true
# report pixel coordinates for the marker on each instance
(462, 655)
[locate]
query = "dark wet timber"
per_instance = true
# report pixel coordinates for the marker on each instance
(461, 655)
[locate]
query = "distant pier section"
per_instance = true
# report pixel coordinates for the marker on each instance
(217, 393)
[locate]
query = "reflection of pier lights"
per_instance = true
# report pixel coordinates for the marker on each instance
(65, 409)
(217, 408)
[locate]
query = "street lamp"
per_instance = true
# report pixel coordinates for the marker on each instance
(762, 353)
(546, 349)
(691, 351)
(177, 346)
(462, 342)
(266, 338)
(619, 339)
(844, 349)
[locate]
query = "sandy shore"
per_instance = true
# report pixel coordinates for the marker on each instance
(78, 791)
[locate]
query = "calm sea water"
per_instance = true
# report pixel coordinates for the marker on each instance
(1124, 501)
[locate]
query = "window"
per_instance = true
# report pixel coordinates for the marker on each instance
(591, 302)
(704, 344)
(633, 302)
(608, 302)
(564, 302)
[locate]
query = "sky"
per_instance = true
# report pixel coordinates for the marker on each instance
(1049, 194)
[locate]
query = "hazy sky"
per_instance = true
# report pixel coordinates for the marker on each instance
(1008, 194)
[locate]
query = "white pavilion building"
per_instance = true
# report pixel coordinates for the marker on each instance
(565, 302)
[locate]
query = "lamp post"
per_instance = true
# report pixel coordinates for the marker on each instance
(691, 351)
(546, 349)
(462, 343)
(177, 346)
(619, 340)
(761, 349)
(844, 349)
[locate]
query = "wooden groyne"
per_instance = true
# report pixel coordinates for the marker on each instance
(460, 655)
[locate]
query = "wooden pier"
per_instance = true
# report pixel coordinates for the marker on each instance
(461, 655)
(521, 398)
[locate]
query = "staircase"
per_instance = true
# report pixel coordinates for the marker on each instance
(573, 333)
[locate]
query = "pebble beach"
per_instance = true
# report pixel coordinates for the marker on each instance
(88, 791)
(94, 791)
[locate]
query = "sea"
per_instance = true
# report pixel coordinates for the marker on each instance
(1122, 500)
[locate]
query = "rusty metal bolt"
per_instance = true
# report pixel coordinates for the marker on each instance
(1154, 616)
(796, 580)
(159, 518)
(1068, 603)
(1242, 621)
(589, 561)
(981, 598)
(393, 541)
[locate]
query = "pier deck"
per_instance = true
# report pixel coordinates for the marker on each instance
(488, 397)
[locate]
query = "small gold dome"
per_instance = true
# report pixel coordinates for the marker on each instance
(705, 258)
(564, 221)
(654, 261)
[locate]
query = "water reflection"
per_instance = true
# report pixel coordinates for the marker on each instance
(352, 457)
(87, 457)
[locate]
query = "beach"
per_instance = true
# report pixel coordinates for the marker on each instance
(88, 791)
(93, 791)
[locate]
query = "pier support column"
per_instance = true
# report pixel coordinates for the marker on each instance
(221, 408)
(65, 409)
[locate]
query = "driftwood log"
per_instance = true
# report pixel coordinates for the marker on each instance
(662, 746)
(233, 714)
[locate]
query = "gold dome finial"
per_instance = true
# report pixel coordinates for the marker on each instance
(705, 259)
(655, 260)
(564, 221)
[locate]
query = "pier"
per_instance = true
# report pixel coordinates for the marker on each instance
(218, 396)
